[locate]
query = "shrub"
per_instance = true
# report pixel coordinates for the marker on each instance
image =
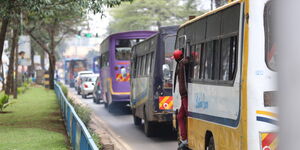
(64, 89)
(84, 113)
(96, 138)
(4, 101)
(26, 85)
(20, 90)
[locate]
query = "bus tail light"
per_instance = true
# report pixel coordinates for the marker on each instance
(269, 141)
(269, 98)
(168, 85)
(85, 86)
(116, 68)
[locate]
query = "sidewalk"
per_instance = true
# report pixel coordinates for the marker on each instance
(33, 122)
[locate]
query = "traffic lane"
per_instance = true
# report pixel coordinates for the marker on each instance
(122, 124)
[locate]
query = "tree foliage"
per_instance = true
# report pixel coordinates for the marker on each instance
(48, 21)
(151, 14)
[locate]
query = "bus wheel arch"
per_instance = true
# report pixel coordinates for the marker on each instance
(148, 125)
(209, 141)
(136, 120)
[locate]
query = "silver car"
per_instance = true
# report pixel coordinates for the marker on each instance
(87, 85)
(78, 79)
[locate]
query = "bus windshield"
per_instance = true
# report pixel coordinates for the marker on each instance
(123, 48)
(169, 48)
(270, 49)
(79, 64)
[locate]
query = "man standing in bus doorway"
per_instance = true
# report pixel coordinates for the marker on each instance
(182, 114)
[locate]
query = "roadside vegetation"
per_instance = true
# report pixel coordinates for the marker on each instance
(33, 122)
(84, 114)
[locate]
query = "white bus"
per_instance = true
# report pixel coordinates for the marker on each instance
(231, 78)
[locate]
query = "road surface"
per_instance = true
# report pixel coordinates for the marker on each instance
(122, 124)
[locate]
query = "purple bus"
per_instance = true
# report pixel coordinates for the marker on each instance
(115, 55)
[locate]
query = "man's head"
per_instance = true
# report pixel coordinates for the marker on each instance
(178, 55)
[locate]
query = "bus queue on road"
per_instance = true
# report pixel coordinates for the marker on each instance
(230, 77)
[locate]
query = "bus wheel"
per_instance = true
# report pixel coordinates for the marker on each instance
(211, 144)
(110, 107)
(148, 127)
(136, 120)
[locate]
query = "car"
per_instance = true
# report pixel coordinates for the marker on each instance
(97, 92)
(87, 85)
(78, 80)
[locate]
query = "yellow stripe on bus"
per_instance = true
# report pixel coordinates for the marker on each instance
(170, 105)
(164, 100)
(263, 136)
(274, 144)
(116, 93)
(267, 113)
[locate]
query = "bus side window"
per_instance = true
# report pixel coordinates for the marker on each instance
(148, 64)
(151, 61)
(138, 68)
(228, 58)
(208, 62)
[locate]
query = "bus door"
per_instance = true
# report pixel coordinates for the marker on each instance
(181, 45)
(166, 100)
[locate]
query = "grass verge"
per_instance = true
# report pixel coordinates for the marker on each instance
(33, 122)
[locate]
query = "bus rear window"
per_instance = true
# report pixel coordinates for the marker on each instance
(270, 49)
(169, 43)
(79, 64)
(123, 48)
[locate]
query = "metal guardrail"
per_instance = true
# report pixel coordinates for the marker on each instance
(77, 131)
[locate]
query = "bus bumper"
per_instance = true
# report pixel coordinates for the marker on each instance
(121, 98)
(164, 117)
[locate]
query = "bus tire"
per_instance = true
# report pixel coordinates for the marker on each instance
(211, 144)
(136, 120)
(148, 127)
(110, 107)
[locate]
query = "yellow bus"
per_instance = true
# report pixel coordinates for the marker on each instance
(231, 78)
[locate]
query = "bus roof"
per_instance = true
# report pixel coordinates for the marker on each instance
(70, 59)
(129, 33)
(210, 13)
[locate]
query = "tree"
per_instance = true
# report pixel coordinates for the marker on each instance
(219, 3)
(150, 14)
(48, 16)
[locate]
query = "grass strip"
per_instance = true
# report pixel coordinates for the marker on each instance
(33, 122)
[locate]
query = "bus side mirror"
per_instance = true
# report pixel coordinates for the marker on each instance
(166, 72)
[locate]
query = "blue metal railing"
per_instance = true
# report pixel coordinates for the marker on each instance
(77, 131)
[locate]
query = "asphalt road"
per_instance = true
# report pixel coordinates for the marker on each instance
(121, 122)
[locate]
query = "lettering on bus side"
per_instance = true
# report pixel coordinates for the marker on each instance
(200, 101)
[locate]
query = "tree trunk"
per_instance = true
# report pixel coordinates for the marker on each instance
(5, 22)
(52, 62)
(15, 83)
(10, 75)
(43, 60)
